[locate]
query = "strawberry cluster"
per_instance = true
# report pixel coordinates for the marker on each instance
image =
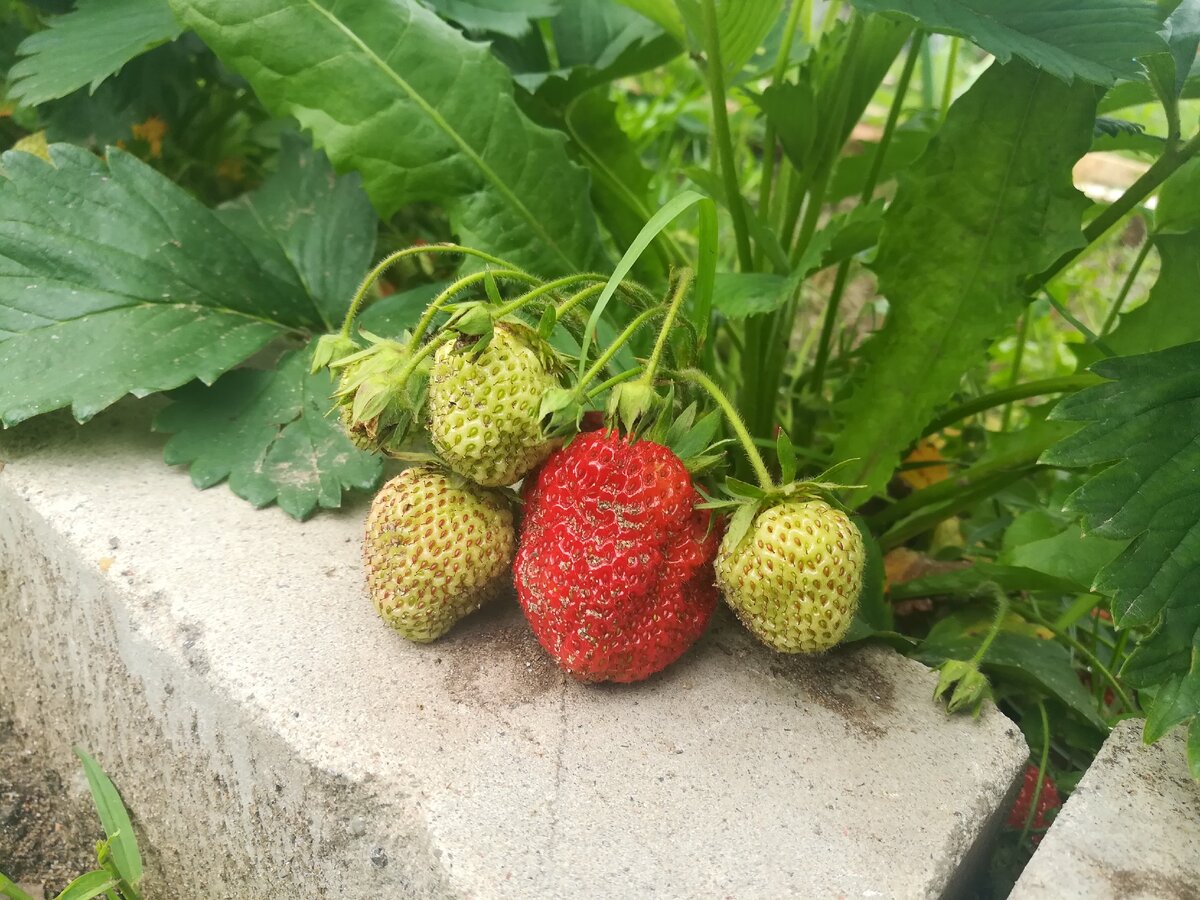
(617, 558)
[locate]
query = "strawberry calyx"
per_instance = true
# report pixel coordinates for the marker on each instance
(970, 685)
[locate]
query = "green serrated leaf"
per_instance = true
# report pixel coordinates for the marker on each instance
(86, 46)
(1143, 427)
(594, 43)
(392, 91)
(1182, 34)
(115, 819)
(1177, 700)
(969, 223)
(114, 280)
(323, 222)
(271, 434)
(1094, 40)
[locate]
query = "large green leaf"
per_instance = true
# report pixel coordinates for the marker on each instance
(271, 434)
(323, 223)
(970, 221)
(1143, 426)
(1096, 40)
(87, 45)
(113, 280)
(389, 89)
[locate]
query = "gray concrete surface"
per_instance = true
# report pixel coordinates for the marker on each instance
(274, 739)
(1130, 831)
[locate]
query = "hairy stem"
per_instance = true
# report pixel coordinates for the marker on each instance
(1163, 167)
(1002, 605)
(1115, 310)
(1014, 374)
(383, 265)
(698, 378)
(682, 285)
(1041, 776)
(462, 284)
(1062, 385)
(611, 350)
(1089, 657)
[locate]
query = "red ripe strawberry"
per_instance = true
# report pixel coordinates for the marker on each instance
(1048, 802)
(614, 569)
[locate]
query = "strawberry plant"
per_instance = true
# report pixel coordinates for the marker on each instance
(848, 235)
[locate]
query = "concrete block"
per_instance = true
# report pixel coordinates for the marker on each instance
(273, 738)
(1130, 831)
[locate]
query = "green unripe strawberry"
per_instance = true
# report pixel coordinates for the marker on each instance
(794, 575)
(436, 549)
(485, 405)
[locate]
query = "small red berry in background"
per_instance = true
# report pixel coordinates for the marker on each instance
(1049, 802)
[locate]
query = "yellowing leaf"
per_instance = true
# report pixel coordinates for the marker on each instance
(930, 469)
(34, 143)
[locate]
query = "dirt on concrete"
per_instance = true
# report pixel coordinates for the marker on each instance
(48, 833)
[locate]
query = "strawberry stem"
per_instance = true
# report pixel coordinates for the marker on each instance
(575, 299)
(611, 350)
(547, 288)
(698, 378)
(611, 383)
(1041, 776)
(682, 285)
(462, 284)
(1002, 604)
(383, 265)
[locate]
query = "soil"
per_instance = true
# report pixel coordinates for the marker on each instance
(47, 832)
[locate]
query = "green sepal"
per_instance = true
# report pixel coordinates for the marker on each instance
(739, 525)
(631, 403)
(331, 348)
(970, 685)
(493, 291)
(560, 411)
(786, 451)
(547, 323)
(739, 488)
(473, 319)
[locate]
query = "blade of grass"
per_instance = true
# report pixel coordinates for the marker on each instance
(115, 818)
